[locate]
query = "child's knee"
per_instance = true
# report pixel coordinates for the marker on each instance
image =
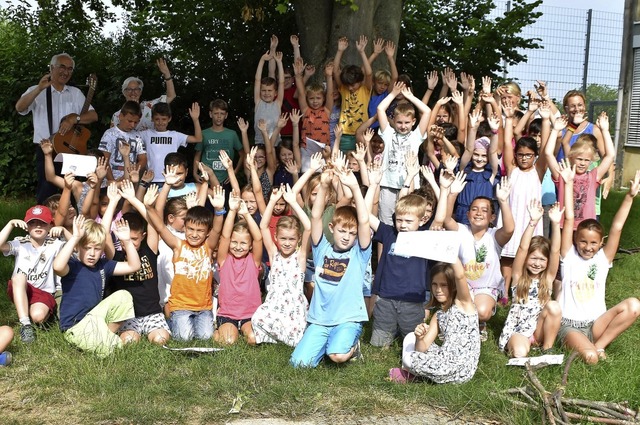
(159, 337)
(553, 309)
(340, 358)
(633, 306)
(129, 337)
(39, 315)
(226, 334)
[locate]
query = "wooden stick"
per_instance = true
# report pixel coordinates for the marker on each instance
(598, 406)
(543, 393)
(599, 420)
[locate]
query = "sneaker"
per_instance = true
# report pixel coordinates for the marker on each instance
(357, 353)
(401, 376)
(483, 332)
(27, 334)
(5, 358)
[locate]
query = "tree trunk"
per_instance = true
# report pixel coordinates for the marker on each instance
(322, 22)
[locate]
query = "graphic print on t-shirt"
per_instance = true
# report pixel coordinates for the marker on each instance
(334, 268)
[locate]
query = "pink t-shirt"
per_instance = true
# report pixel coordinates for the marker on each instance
(584, 195)
(239, 292)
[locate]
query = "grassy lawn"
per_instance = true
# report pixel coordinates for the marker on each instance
(52, 382)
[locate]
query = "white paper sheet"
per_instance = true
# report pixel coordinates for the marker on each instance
(429, 244)
(80, 165)
(547, 359)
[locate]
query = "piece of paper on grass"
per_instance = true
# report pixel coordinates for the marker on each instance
(195, 349)
(430, 244)
(80, 165)
(546, 359)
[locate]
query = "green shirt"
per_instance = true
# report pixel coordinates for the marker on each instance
(215, 141)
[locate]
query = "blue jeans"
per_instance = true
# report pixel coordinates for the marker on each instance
(187, 325)
(319, 340)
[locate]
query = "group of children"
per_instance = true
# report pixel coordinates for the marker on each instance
(334, 175)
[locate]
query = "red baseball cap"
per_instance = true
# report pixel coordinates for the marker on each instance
(39, 212)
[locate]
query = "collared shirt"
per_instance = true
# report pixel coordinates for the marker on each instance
(68, 101)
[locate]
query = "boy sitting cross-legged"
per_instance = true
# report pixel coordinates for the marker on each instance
(88, 321)
(337, 309)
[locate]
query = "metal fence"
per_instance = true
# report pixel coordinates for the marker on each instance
(580, 48)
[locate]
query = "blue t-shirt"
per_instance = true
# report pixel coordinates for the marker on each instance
(398, 277)
(82, 290)
(337, 297)
(373, 105)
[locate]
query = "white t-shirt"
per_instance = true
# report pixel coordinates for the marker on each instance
(481, 259)
(110, 142)
(396, 147)
(68, 101)
(158, 145)
(36, 263)
(583, 285)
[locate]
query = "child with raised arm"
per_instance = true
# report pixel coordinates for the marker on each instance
(399, 139)
(400, 282)
(160, 141)
(480, 244)
(283, 314)
(314, 105)
(32, 285)
(239, 261)
(587, 326)
(382, 79)
(456, 359)
(534, 318)
(267, 97)
(582, 155)
(149, 319)
(190, 301)
(354, 87)
(337, 308)
(88, 321)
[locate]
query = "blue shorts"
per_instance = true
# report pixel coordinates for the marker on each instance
(221, 320)
(319, 340)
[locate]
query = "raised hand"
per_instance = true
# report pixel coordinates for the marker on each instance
(343, 43)
(217, 199)
(134, 172)
(361, 44)
(603, 122)
(450, 163)
(459, 182)
(375, 173)
(282, 120)
(69, 178)
(191, 199)
(368, 135)
(234, 201)
(378, 45)
(46, 146)
(148, 175)
(535, 210)
(565, 169)
(266, 57)
(494, 122)
(446, 178)
(163, 68)
(292, 167)
(428, 174)
(78, 226)
(432, 80)
(101, 168)
(397, 88)
(347, 178)
(360, 152)
(124, 148)
(227, 163)
(243, 125)
(194, 111)
(486, 84)
(337, 130)
(262, 125)
(411, 165)
(390, 48)
(92, 180)
(457, 98)
(273, 43)
(560, 123)
(316, 161)
(122, 231)
(242, 208)
(295, 41)
(151, 195)
(289, 195)
(449, 78)
(503, 190)
(579, 118)
(276, 194)
(170, 176)
(555, 213)
(278, 56)
(541, 89)
(127, 190)
(474, 118)
(544, 110)
(295, 116)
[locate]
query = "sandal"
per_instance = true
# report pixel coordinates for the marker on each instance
(400, 376)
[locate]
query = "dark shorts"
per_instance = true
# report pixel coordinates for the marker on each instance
(221, 320)
(567, 326)
(35, 295)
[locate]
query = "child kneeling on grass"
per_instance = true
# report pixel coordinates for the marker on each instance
(337, 308)
(88, 321)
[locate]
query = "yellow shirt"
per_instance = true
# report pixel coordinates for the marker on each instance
(354, 108)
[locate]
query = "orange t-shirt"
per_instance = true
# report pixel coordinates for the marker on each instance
(191, 285)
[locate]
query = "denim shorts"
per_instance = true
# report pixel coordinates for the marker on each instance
(319, 340)
(187, 325)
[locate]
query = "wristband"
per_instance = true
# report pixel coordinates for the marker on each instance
(170, 77)
(407, 186)
(220, 212)
(532, 224)
(144, 184)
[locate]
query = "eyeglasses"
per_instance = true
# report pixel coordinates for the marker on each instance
(63, 68)
(259, 157)
(136, 90)
(524, 155)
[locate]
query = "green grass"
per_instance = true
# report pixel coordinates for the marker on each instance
(52, 382)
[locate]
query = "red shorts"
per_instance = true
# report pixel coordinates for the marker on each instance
(35, 295)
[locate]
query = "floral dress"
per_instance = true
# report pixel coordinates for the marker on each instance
(283, 315)
(523, 317)
(456, 360)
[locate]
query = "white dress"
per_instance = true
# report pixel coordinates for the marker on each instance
(523, 317)
(283, 315)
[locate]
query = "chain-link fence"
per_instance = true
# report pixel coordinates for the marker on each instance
(580, 48)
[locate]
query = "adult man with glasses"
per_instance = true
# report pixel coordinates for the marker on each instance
(57, 114)
(132, 90)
